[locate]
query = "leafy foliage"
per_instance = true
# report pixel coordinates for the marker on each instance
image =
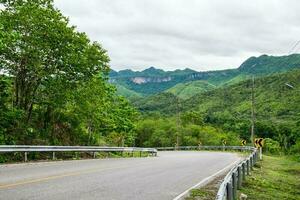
(54, 86)
(130, 94)
(159, 132)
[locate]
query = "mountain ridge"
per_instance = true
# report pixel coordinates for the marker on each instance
(153, 81)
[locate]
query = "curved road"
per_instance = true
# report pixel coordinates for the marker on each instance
(162, 177)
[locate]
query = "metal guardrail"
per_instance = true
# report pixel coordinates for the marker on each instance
(26, 149)
(203, 148)
(234, 178)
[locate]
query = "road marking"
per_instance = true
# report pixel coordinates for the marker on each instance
(6, 186)
(205, 181)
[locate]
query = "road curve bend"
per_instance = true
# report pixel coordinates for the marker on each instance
(163, 177)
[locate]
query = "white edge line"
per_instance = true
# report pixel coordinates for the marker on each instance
(206, 180)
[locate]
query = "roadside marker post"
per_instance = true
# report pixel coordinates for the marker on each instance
(260, 153)
(259, 142)
(199, 146)
(224, 144)
(243, 142)
(25, 156)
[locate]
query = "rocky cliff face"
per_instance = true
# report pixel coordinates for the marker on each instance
(143, 80)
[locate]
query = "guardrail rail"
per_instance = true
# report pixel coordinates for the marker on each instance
(234, 178)
(26, 149)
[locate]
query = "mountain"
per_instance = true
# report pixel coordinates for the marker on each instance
(269, 90)
(277, 107)
(265, 64)
(153, 81)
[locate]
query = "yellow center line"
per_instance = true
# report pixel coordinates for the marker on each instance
(6, 186)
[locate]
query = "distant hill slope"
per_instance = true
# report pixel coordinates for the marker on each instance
(273, 98)
(153, 81)
(269, 64)
(130, 94)
(156, 103)
(189, 89)
(277, 106)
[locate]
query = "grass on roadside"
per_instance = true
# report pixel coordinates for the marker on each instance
(206, 192)
(201, 193)
(274, 178)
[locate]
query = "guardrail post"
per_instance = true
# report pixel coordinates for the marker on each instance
(140, 153)
(244, 171)
(239, 185)
(234, 185)
(94, 155)
(229, 191)
(248, 167)
(53, 155)
(251, 163)
(25, 156)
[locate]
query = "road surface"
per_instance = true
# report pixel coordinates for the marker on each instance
(162, 177)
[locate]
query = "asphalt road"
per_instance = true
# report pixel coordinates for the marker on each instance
(162, 177)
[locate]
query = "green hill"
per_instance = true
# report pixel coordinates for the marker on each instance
(189, 89)
(265, 64)
(156, 102)
(123, 91)
(277, 107)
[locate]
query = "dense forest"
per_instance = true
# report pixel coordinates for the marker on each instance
(56, 88)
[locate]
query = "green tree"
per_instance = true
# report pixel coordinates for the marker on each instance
(47, 56)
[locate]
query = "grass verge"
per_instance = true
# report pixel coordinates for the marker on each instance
(274, 178)
(206, 192)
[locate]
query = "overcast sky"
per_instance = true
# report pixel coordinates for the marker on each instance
(198, 34)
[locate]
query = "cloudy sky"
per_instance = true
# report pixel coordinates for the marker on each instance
(198, 34)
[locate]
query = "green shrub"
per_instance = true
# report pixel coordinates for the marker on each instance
(271, 146)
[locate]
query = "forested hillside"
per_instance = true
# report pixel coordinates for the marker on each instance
(277, 107)
(189, 89)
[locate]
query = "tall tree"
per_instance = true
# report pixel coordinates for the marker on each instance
(46, 54)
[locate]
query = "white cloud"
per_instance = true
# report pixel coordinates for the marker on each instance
(199, 34)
